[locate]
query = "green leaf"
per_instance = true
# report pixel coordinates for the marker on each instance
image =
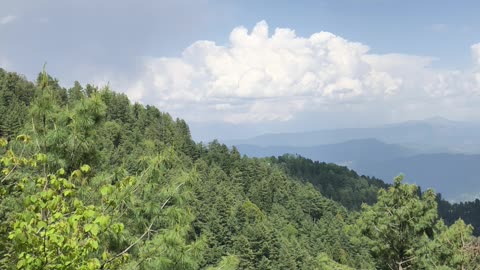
(118, 227)
(61, 171)
(85, 168)
(88, 227)
(20, 264)
(66, 193)
(95, 229)
(89, 213)
(105, 190)
(41, 157)
(42, 224)
(102, 220)
(94, 244)
(76, 173)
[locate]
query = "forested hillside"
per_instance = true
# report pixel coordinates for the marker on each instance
(91, 181)
(385, 161)
(351, 190)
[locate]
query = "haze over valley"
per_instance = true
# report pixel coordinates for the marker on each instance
(433, 153)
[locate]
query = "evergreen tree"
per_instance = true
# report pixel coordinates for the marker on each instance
(152, 198)
(403, 231)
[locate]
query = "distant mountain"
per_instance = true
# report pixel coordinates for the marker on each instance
(454, 175)
(429, 136)
(352, 153)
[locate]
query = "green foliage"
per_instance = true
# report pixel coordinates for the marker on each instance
(403, 231)
(16, 94)
(152, 198)
(55, 230)
(227, 263)
(467, 211)
(325, 263)
(453, 247)
(351, 190)
(335, 182)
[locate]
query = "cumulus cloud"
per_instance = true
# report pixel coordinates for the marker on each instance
(463, 84)
(260, 76)
(476, 54)
(7, 19)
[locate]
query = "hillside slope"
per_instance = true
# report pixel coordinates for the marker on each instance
(453, 175)
(95, 182)
(352, 153)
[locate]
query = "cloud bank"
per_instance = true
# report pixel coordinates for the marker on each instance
(259, 76)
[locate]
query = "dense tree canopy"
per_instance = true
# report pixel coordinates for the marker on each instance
(351, 190)
(91, 181)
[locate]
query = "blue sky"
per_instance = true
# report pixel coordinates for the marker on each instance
(442, 29)
(382, 61)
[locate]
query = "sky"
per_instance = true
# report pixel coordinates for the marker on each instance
(235, 69)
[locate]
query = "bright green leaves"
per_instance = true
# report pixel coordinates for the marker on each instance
(10, 160)
(102, 221)
(92, 228)
(61, 172)
(92, 264)
(106, 190)
(56, 229)
(117, 227)
(85, 168)
(89, 212)
(41, 158)
(92, 243)
(99, 224)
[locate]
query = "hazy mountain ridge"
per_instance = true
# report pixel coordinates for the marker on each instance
(342, 153)
(454, 175)
(431, 135)
(436, 152)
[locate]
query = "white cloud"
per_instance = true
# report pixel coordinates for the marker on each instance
(266, 110)
(7, 19)
(261, 77)
(476, 54)
(458, 84)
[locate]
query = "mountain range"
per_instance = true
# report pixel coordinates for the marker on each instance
(433, 153)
